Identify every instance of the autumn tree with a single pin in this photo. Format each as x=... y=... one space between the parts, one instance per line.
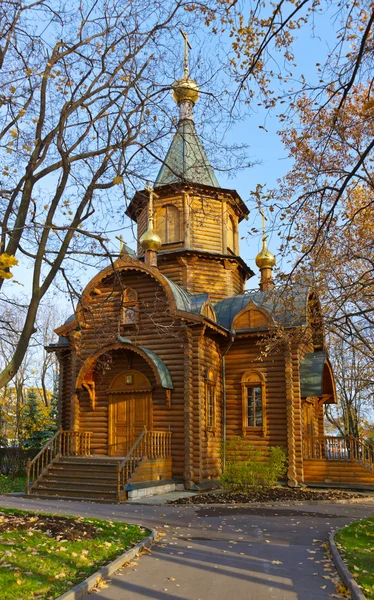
x=80 y=90
x=355 y=387
x=323 y=208
x=38 y=371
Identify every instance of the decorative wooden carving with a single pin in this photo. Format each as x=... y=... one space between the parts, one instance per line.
x=168 y=398
x=90 y=387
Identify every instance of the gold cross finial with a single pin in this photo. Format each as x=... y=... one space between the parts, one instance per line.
x=152 y=195
x=120 y=238
x=264 y=236
x=186 y=46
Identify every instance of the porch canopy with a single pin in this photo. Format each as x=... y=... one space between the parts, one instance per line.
x=316 y=377
x=162 y=370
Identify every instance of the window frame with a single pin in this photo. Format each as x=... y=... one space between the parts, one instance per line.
x=231 y=226
x=252 y=380
x=166 y=208
x=132 y=304
x=210 y=395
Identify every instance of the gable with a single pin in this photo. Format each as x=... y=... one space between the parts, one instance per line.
x=251 y=319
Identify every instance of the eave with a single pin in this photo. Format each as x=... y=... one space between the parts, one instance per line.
x=213 y=255
x=141 y=197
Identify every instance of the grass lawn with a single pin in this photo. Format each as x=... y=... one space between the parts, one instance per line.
x=8 y=484
x=356 y=544
x=42 y=556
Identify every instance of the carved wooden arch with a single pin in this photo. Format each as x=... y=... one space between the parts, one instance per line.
x=252 y=317
x=253 y=376
x=131 y=380
x=329 y=395
x=132 y=265
x=90 y=362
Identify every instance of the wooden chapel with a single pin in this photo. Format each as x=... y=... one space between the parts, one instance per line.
x=161 y=362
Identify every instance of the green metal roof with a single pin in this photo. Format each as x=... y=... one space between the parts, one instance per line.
x=311 y=374
x=163 y=371
x=186 y=159
x=285 y=305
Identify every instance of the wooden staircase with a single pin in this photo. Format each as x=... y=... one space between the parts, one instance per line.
x=65 y=469
x=78 y=478
x=344 y=460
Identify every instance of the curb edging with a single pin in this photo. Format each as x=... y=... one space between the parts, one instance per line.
x=85 y=586
x=345 y=575
x=270 y=503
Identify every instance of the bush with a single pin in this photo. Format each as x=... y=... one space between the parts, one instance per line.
x=249 y=468
x=13 y=460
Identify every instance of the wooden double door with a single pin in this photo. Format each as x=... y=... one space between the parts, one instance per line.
x=130 y=414
x=130 y=410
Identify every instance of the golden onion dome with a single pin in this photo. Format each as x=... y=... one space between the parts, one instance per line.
x=185 y=89
x=150 y=240
x=265 y=259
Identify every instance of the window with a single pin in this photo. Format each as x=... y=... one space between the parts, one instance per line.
x=210 y=395
x=168 y=224
x=129 y=309
x=231 y=234
x=253 y=397
x=254 y=406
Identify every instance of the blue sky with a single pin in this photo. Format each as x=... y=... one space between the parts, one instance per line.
x=264 y=149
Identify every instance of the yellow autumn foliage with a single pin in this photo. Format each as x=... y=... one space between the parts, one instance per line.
x=6 y=262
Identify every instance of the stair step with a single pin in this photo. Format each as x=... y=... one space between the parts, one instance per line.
x=70 y=474
x=73 y=498
x=50 y=483
x=45 y=491
x=88 y=465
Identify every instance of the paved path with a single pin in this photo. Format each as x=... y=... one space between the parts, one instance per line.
x=251 y=553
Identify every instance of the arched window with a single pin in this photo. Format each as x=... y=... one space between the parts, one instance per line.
x=129 y=308
x=253 y=402
x=231 y=233
x=210 y=400
x=168 y=224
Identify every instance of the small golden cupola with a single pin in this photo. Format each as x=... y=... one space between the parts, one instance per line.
x=265 y=261
x=150 y=241
x=186 y=91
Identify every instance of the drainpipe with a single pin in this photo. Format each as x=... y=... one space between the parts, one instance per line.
x=224 y=393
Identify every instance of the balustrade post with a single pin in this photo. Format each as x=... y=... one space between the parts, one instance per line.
x=28 y=475
x=118 y=482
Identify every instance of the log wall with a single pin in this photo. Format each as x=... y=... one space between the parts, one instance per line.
x=219 y=277
x=242 y=357
x=157 y=330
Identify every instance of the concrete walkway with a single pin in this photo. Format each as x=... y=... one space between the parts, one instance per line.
x=251 y=553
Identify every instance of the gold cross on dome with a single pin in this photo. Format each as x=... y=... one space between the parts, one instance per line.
x=264 y=236
x=120 y=238
x=152 y=195
x=186 y=46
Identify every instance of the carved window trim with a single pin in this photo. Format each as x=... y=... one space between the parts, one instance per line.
x=129 y=307
x=210 y=401
x=252 y=381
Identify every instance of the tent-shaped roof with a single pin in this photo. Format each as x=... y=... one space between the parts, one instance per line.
x=186 y=159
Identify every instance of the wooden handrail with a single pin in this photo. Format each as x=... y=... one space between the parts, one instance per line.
x=150 y=444
x=339 y=448
x=63 y=443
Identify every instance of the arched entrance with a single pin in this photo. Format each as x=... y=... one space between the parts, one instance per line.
x=130 y=410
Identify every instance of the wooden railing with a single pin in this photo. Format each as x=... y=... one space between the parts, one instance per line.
x=63 y=443
x=339 y=448
x=150 y=444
